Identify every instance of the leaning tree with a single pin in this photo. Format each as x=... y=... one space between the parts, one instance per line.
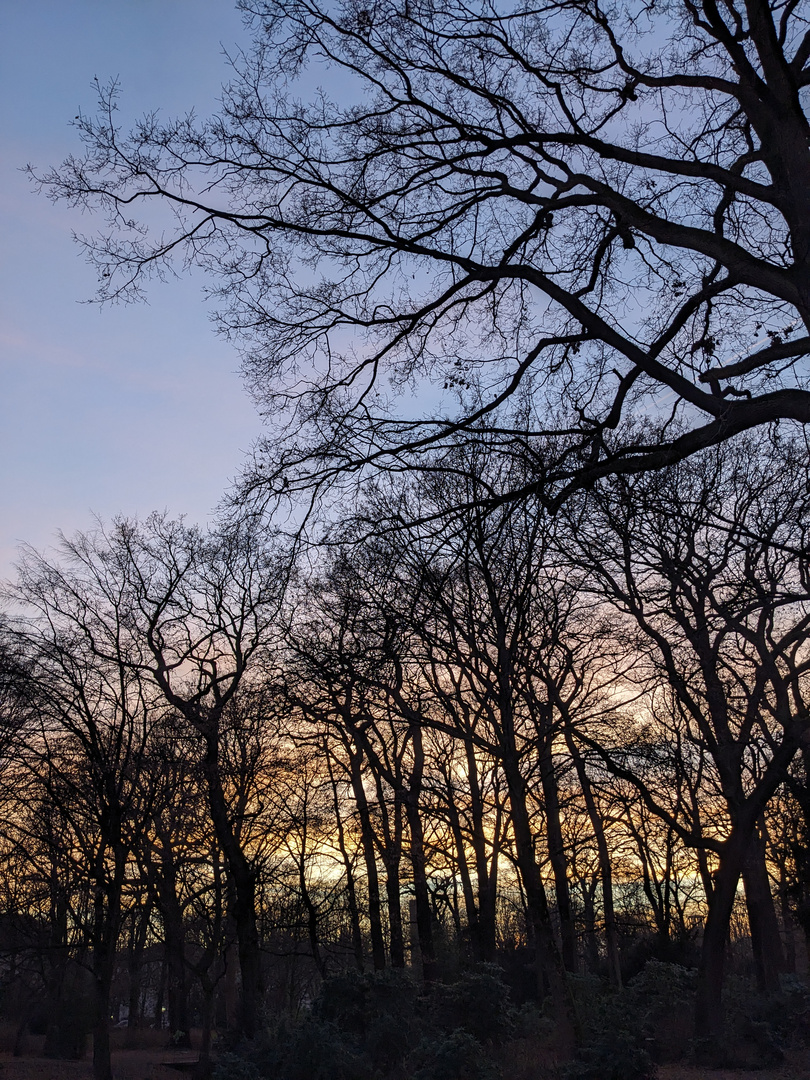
x=552 y=218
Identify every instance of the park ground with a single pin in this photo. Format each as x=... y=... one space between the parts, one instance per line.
x=150 y=1059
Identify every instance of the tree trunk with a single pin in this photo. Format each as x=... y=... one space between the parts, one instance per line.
x=424 y=917
x=486 y=875
x=104 y=932
x=157 y=1016
x=391 y=852
x=175 y=958
x=106 y=928
x=556 y=854
x=766 y=940
x=588 y=891
x=57 y=961
x=231 y=979
x=243 y=878
x=470 y=908
x=370 y=858
x=395 y=931
x=102 y=1062
x=709 y=995
x=312 y=915
x=605 y=868
x=202 y=1070
x=351 y=891
x=550 y=966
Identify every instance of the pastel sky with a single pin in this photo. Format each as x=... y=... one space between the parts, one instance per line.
x=126 y=409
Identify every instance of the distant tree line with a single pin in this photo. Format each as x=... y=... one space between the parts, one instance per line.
x=566 y=744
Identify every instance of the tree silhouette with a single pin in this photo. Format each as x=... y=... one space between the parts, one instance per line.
x=92 y=716
x=710 y=561
x=557 y=219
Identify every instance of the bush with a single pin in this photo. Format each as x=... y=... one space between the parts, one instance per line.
x=660 y=1007
x=529 y=1023
x=367 y=1027
x=758 y=1029
x=625 y=1032
x=355 y=1002
x=234 y=1067
x=319 y=1050
x=312 y=1049
x=614 y=1057
x=788 y=1012
x=456 y=1056
x=478 y=1003
x=388 y=1040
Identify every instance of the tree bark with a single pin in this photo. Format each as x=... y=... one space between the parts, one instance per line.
x=766 y=939
x=556 y=854
x=550 y=966
x=57 y=958
x=424 y=917
x=394 y=901
x=486 y=874
x=174 y=950
x=391 y=853
x=106 y=918
x=370 y=859
x=709 y=994
x=351 y=891
x=470 y=908
x=243 y=878
x=605 y=868
x=137 y=942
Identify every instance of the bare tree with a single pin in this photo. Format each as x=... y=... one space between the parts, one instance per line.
x=94 y=714
x=205 y=607
x=710 y=562
x=169 y=611
x=565 y=216
x=479 y=637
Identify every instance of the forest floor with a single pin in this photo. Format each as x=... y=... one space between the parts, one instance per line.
x=127 y=1065
x=797 y=1069
x=147 y=1064
x=524 y=1061
x=685 y=1072
x=151 y=1061
x=148 y=1060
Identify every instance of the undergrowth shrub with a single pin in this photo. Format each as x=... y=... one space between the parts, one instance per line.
x=477 y=1003
x=652 y=1020
x=319 y=1050
x=613 y=1056
x=659 y=1007
x=355 y=1002
x=453 y=1056
x=232 y=1066
x=758 y=1029
x=379 y=1025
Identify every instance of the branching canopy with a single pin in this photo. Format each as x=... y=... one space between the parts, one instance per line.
x=548 y=222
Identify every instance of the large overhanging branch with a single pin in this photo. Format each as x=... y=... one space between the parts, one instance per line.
x=624 y=220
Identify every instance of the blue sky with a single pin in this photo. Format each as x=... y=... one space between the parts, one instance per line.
x=126 y=409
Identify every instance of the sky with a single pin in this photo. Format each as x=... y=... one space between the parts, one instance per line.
x=120 y=410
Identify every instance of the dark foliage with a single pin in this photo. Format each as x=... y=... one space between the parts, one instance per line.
x=380 y=1025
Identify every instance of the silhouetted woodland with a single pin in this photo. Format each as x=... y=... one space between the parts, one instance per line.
x=517 y=756
x=479 y=722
